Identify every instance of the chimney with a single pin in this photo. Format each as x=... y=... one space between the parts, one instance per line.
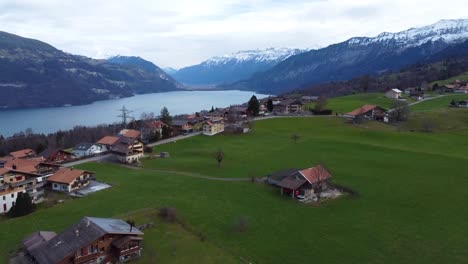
x=77 y=233
x=88 y=223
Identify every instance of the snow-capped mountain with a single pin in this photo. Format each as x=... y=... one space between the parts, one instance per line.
x=258 y=55
x=359 y=56
x=448 y=31
x=233 y=67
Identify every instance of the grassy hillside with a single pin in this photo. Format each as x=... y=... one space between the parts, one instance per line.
x=411 y=194
x=344 y=104
x=463 y=76
x=438 y=103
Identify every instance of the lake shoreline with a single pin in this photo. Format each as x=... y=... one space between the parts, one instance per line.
x=52 y=119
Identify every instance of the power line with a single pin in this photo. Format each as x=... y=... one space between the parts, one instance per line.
x=125 y=114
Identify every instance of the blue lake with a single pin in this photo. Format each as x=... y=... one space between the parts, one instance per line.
x=47 y=120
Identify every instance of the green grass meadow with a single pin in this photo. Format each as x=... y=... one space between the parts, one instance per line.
x=410 y=208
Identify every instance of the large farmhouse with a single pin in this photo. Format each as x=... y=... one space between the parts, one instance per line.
x=91 y=240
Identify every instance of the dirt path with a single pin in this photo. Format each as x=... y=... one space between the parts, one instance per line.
x=188 y=174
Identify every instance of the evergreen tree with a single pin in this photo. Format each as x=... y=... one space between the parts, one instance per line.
x=254 y=106
x=166 y=132
x=270 y=105
x=22 y=206
x=166 y=116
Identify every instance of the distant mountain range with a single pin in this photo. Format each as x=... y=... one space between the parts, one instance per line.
x=35 y=74
x=234 y=67
x=358 y=56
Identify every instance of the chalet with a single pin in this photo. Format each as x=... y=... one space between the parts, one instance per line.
x=128 y=150
x=461 y=89
x=238 y=110
x=107 y=142
x=236 y=128
x=87 y=149
x=393 y=93
x=303 y=182
x=449 y=88
x=13 y=182
x=211 y=128
x=288 y=106
x=91 y=240
x=417 y=95
x=70 y=180
x=57 y=156
x=182 y=125
x=34 y=165
x=23 y=154
x=156 y=126
x=130 y=133
x=368 y=112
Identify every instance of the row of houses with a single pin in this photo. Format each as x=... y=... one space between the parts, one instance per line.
x=24 y=171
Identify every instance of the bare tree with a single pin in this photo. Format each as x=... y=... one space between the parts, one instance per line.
x=295 y=138
x=219 y=156
x=322 y=177
x=321 y=104
x=145 y=116
x=400 y=111
x=427 y=125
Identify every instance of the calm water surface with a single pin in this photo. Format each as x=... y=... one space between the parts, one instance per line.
x=47 y=120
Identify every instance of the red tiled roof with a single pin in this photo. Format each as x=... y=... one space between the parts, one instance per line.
x=108 y=140
x=26 y=165
x=315 y=174
x=131 y=133
x=66 y=175
x=362 y=110
x=157 y=124
x=23 y=153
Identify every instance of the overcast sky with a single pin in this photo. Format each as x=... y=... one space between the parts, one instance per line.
x=178 y=33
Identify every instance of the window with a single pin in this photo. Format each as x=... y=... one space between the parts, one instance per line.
x=12 y=195
x=4 y=198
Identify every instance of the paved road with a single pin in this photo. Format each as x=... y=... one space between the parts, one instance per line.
x=417 y=102
x=109 y=156
x=97 y=158
x=172 y=139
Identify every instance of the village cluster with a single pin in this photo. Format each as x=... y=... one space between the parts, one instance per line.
x=102 y=240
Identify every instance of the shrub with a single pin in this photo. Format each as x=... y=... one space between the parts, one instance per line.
x=241 y=225
x=169 y=214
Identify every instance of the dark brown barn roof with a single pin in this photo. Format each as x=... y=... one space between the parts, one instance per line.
x=77 y=236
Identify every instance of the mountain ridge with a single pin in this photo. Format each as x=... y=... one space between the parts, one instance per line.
x=31 y=71
x=233 y=67
x=357 y=56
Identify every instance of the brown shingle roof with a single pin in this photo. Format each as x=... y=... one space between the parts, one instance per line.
x=108 y=140
x=66 y=175
x=292 y=182
x=362 y=110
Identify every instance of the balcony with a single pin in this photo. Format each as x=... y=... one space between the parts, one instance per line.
x=85 y=258
x=130 y=251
